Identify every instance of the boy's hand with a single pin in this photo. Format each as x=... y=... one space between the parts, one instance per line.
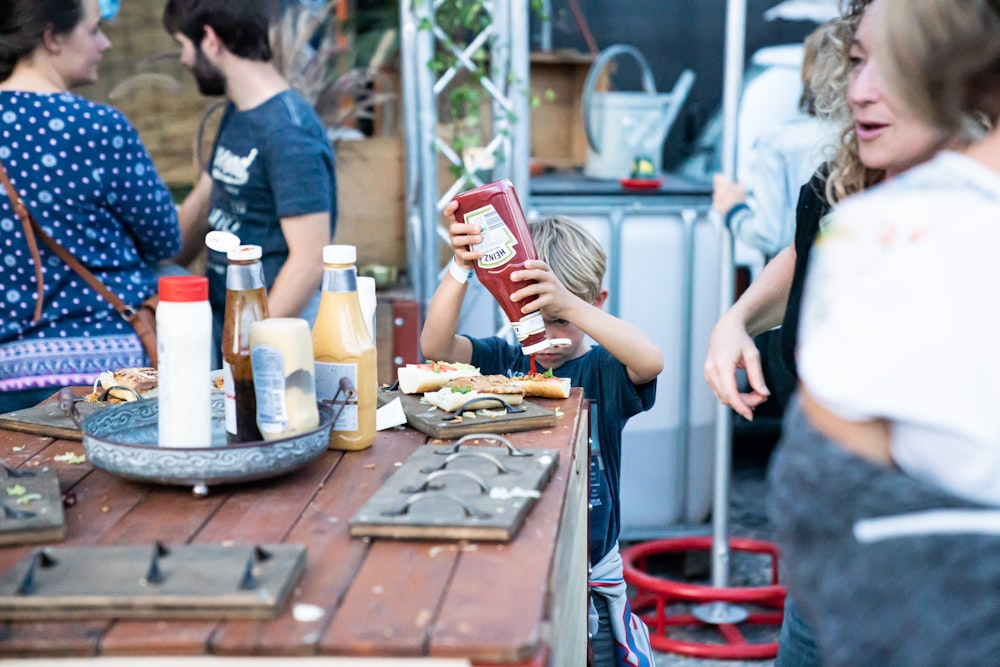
x=553 y=297
x=462 y=236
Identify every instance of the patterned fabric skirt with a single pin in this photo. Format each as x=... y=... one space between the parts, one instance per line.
x=58 y=362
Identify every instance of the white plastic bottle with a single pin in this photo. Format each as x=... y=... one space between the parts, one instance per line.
x=184 y=346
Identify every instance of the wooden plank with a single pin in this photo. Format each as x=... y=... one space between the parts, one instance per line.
x=333 y=557
x=396 y=591
x=189 y=582
x=440 y=424
x=101 y=501
x=255 y=512
x=491 y=611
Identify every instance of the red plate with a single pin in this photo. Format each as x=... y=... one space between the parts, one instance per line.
x=641 y=183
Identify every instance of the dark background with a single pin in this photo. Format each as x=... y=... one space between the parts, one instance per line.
x=673 y=35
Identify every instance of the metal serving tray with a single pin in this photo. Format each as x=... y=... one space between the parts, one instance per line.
x=122 y=440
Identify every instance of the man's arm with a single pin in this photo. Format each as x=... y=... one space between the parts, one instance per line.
x=302 y=272
x=193 y=217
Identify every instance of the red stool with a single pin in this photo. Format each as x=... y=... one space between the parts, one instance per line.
x=654 y=595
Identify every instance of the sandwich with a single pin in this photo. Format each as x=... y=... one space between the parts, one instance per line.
x=124 y=384
x=460 y=391
x=544 y=385
x=421 y=378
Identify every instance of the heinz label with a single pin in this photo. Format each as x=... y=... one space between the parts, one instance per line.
x=498 y=241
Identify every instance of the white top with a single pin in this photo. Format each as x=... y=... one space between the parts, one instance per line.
x=901 y=320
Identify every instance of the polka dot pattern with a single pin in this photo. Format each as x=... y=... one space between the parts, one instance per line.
x=83 y=172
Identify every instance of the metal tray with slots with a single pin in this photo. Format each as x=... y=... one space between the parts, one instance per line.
x=468 y=490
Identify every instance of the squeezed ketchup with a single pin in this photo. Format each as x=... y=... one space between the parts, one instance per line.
x=506 y=246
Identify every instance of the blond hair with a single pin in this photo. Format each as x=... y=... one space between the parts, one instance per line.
x=943 y=59
x=847 y=174
x=572 y=253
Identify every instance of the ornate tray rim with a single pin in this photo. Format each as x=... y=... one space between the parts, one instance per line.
x=198 y=466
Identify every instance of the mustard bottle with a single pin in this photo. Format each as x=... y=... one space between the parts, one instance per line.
x=346 y=361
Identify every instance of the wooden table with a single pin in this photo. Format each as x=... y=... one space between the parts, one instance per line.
x=520 y=603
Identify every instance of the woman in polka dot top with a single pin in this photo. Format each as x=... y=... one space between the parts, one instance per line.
x=85 y=175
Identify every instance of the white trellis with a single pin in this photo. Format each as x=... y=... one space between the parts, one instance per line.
x=506 y=37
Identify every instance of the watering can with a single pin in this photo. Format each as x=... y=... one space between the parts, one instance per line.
x=623 y=126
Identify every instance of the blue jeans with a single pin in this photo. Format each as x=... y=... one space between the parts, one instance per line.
x=796 y=645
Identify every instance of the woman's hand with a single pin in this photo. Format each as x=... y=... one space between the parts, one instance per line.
x=726 y=194
x=730 y=347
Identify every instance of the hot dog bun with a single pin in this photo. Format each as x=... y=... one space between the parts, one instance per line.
x=420 y=378
x=544 y=386
x=461 y=390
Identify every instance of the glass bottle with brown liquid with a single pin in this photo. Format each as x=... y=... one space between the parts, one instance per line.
x=346 y=362
x=246 y=303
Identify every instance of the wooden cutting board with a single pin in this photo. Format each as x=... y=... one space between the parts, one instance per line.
x=476 y=492
x=32 y=509
x=440 y=424
x=49 y=418
x=209 y=581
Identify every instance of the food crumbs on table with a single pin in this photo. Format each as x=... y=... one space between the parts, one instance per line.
x=546 y=432
x=16 y=490
x=31 y=497
x=70 y=457
x=105 y=509
x=423 y=618
x=18 y=449
x=377 y=590
x=559 y=413
x=370 y=466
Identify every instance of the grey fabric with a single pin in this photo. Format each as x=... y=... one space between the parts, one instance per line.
x=913 y=601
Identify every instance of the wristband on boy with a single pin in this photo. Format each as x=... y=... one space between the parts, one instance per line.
x=458 y=273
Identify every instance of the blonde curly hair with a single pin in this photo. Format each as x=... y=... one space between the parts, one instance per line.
x=847 y=174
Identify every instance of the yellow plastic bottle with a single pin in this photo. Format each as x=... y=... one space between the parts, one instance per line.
x=346 y=362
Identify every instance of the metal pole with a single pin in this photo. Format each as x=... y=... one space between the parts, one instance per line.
x=720 y=612
x=519 y=93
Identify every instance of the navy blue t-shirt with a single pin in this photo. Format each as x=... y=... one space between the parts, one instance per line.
x=269 y=162
x=605 y=381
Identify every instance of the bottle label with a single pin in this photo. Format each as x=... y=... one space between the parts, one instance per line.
x=328 y=384
x=229 y=393
x=269 y=385
x=530 y=324
x=498 y=241
x=340 y=280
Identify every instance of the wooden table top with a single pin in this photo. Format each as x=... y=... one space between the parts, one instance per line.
x=484 y=602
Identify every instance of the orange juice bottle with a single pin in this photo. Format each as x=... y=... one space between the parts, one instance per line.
x=346 y=362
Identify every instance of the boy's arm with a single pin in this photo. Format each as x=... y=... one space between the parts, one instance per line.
x=627 y=343
x=439 y=339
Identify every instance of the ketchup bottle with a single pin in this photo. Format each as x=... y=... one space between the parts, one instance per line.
x=506 y=246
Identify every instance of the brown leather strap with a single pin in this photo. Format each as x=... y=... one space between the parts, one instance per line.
x=31 y=227
x=22 y=212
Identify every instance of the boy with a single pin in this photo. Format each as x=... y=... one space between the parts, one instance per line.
x=619 y=374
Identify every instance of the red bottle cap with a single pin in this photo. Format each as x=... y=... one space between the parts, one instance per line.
x=183 y=288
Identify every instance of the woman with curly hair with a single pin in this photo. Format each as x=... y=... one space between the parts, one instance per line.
x=886 y=488
x=879 y=139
